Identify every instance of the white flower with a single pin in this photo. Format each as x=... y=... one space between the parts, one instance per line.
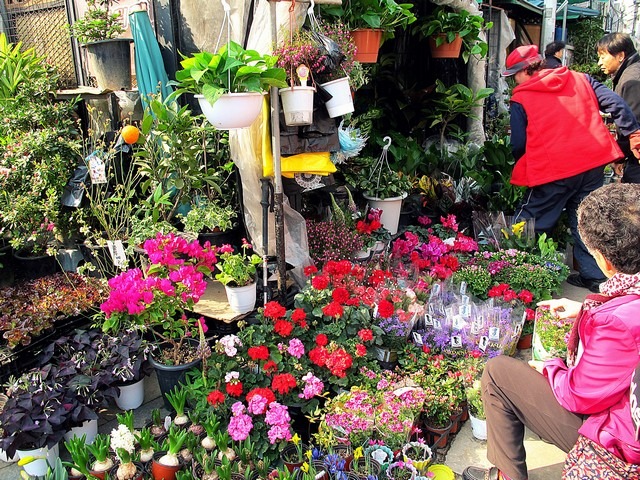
x=122 y=437
x=229 y=342
x=231 y=376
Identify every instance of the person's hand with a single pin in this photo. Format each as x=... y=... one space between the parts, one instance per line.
x=562 y=307
x=537 y=365
x=618 y=169
x=634 y=143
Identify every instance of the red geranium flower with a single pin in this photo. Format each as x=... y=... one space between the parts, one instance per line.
x=318 y=356
x=310 y=270
x=283 y=328
x=274 y=310
x=270 y=367
x=321 y=340
x=509 y=295
x=340 y=295
x=258 y=353
x=385 y=309
x=339 y=362
x=283 y=383
x=234 y=389
x=299 y=316
x=365 y=335
x=263 y=392
x=320 y=282
x=361 y=350
x=333 y=309
x=526 y=296
x=215 y=397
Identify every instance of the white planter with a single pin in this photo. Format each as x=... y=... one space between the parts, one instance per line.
x=38 y=468
x=341 y=102
x=241 y=299
x=232 y=110
x=131 y=395
x=297 y=105
x=478 y=427
x=391 y=208
x=88 y=428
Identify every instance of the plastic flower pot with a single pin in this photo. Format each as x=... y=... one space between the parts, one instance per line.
x=163 y=472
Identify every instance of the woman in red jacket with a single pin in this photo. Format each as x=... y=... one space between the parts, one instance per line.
x=581 y=406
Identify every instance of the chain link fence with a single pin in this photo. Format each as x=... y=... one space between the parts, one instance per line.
x=43 y=26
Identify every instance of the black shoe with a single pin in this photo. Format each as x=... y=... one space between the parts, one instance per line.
x=477 y=473
x=577 y=280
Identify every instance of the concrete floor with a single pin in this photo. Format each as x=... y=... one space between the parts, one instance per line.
x=545 y=461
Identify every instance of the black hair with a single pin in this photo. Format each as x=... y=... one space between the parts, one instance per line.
x=553 y=48
x=614 y=43
x=609 y=222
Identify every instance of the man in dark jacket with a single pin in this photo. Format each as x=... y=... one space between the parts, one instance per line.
x=561 y=145
x=617 y=56
x=553 y=55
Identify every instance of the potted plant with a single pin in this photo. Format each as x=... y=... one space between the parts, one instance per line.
x=77 y=448
x=108 y=56
x=449 y=31
x=178 y=400
x=158 y=299
x=123 y=443
x=100 y=449
x=233 y=74
x=476 y=411
x=147 y=444
x=372 y=22
x=237 y=273
x=211 y=221
x=166 y=464
x=33 y=418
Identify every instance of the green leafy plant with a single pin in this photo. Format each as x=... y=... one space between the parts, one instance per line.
x=98 y=23
x=100 y=451
x=178 y=400
x=383 y=14
x=377 y=179
x=232 y=70
x=238 y=269
x=147 y=444
x=206 y=215
x=451 y=24
x=175 y=439
x=474 y=399
x=77 y=448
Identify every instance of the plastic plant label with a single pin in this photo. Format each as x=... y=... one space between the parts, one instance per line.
x=494 y=334
x=483 y=343
x=458 y=322
x=417 y=339
x=437 y=325
x=116 y=249
x=456 y=341
x=97 y=170
x=463 y=288
x=428 y=319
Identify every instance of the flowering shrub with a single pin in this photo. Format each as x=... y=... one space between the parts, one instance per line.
x=158 y=297
x=371 y=228
x=552 y=332
x=332 y=240
x=237 y=269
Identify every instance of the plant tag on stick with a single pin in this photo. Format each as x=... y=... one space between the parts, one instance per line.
x=97 y=170
x=116 y=249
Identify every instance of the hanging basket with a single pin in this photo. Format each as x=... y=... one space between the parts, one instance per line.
x=367 y=42
x=297 y=104
x=232 y=110
x=445 y=50
x=341 y=101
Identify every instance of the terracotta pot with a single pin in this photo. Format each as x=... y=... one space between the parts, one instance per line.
x=525 y=341
x=445 y=50
x=163 y=472
x=290 y=451
x=456 y=421
x=437 y=437
x=367 y=42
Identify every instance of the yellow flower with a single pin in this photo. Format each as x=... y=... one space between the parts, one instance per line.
x=305 y=467
x=296 y=439
x=518 y=228
x=357 y=453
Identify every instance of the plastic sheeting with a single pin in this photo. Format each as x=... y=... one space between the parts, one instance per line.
x=247 y=153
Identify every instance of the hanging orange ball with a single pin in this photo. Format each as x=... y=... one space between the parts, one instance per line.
x=130 y=134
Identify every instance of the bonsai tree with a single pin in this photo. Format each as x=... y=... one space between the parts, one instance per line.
x=386 y=15
x=98 y=23
x=231 y=70
x=451 y=24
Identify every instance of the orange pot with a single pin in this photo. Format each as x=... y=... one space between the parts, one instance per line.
x=445 y=50
x=367 y=42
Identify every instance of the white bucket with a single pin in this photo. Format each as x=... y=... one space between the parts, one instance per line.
x=478 y=428
x=241 y=299
x=88 y=428
x=341 y=102
x=232 y=110
x=391 y=207
x=131 y=395
x=45 y=457
x=297 y=104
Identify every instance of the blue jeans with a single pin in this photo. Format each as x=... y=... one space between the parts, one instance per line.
x=546 y=202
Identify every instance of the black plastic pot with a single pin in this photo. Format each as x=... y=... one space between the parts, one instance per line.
x=169 y=376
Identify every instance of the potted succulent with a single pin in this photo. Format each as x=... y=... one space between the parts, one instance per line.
x=449 y=31
x=108 y=56
x=223 y=79
x=237 y=274
x=372 y=22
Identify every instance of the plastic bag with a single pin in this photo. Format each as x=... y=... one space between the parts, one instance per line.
x=334 y=56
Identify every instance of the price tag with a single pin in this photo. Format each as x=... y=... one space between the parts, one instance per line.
x=464 y=310
x=480 y=320
x=428 y=320
x=437 y=325
x=463 y=288
x=417 y=339
x=483 y=343
x=458 y=323
x=116 y=249
x=456 y=341
x=464 y=299
x=475 y=328
x=435 y=290
x=449 y=312
x=494 y=334
x=97 y=169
